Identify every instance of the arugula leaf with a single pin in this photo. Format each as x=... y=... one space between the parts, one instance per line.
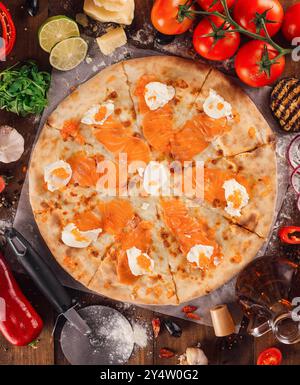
x=23 y=89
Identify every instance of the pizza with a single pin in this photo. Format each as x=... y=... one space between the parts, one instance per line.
x=155 y=181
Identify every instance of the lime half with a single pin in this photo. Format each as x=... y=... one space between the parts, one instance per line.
x=68 y=53
x=56 y=29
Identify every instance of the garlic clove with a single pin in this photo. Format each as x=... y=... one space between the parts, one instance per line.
x=193 y=356
x=11 y=144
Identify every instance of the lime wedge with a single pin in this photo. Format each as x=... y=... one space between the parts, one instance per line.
x=56 y=29
x=68 y=53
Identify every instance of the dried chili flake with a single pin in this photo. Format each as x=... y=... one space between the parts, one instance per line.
x=166 y=353
x=156 y=327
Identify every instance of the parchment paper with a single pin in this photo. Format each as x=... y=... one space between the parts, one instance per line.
x=61 y=85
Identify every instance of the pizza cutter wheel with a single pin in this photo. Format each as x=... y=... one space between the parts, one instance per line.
x=94 y=335
x=109 y=343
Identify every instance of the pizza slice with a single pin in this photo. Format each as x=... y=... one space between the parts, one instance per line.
x=74 y=236
x=163 y=90
x=224 y=122
x=243 y=188
x=135 y=268
x=204 y=249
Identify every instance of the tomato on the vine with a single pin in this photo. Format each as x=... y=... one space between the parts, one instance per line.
x=291 y=22
x=255 y=65
x=220 y=44
x=2 y=184
x=250 y=14
x=164 y=17
x=214 y=5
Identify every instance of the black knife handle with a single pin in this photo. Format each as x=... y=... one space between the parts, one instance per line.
x=39 y=271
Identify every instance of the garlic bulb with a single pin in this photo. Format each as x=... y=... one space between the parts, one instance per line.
x=11 y=144
x=193 y=356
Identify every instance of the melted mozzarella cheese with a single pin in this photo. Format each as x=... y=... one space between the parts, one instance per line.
x=197 y=251
x=73 y=237
x=57 y=175
x=236 y=197
x=98 y=114
x=139 y=263
x=158 y=95
x=216 y=107
x=156 y=178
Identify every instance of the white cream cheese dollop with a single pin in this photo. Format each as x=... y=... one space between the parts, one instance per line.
x=158 y=95
x=193 y=256
x=236 y=197
x=216 y=107
x=73 y=237
x=57 y=175
x=139 y=263
x=90 y=116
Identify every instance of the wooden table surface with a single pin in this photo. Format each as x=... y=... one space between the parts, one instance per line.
x=48 y=349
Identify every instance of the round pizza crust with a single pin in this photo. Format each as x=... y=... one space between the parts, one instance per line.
x=251 y=155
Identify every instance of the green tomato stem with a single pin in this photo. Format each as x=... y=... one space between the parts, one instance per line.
x=185 y=10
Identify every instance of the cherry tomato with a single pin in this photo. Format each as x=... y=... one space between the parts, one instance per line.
x=221 y=46
x=271 y=356
x=2 y=184
x=248 y=68
x=291 y=22
x=213 y=5
x=164 y=17
x=249 y=14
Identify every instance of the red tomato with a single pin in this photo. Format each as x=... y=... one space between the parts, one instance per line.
x=2 y=184
x=246 y=12
x=213 y=5
x=247 y=64
x=271 y=356
x=164 y=17
x=291 y=22
x=222 y=46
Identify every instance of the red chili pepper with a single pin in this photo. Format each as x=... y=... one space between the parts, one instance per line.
x=8 y=31
x=193 y=316
x=189 y=309
x=156 y=327
x=2 y=184
x=290 y=235
x=19 y=322
x=166 y=353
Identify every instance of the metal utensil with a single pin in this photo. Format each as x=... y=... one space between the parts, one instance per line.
x=110 y=343
x=95 y=335
x=32 y=7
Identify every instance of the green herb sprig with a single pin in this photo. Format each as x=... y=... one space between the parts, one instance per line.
x=23 y=89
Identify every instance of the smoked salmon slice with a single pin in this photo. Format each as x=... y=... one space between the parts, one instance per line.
x=158 y=128
x=139 y=236
x=187 y=142
x=195 y=136
x=87 y=221
x=116 y=215
x=115 y=139
x=188 y=230
x=214 y=180
x=71 y=130
x=84 y=170
x=140 y=92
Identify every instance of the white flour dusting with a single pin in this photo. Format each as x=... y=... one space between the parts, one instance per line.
x=140 y=335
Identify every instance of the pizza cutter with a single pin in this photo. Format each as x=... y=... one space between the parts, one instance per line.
x=94 y=335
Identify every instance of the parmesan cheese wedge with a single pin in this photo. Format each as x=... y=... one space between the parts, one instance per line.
x=124 y=15
x=112 y=40
x=111 y=5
